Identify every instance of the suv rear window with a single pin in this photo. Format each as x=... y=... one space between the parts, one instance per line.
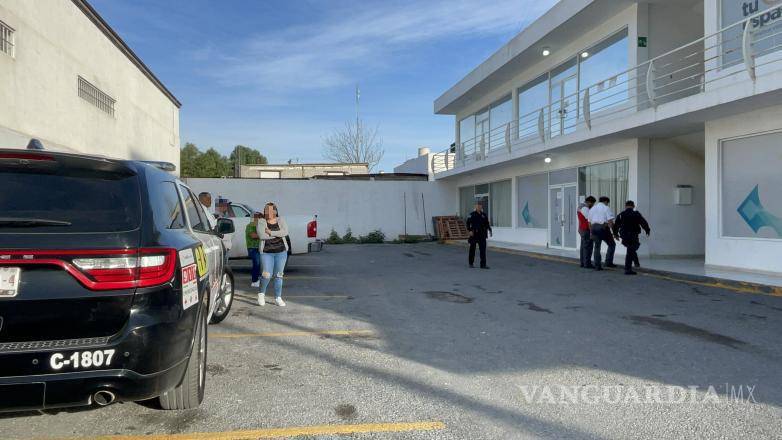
x=67 y=202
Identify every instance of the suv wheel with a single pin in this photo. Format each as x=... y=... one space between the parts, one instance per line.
x=190 y=392
x=225 y=297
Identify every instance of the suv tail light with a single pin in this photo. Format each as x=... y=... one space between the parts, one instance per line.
x=312 y=229
x=105 y=269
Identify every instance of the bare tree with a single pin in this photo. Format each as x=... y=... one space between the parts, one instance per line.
x=355 y=143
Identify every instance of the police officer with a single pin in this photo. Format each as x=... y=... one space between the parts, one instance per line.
x=628 y=225
x=478 y=225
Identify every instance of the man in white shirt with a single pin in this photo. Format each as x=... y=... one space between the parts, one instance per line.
x=601 y=220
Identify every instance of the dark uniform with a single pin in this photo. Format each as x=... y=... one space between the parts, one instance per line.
x=628 y=225
x=478 y=224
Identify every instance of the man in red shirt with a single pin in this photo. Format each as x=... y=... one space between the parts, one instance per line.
x=583 y=231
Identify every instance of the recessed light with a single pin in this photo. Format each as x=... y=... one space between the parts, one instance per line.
x=584 y=54
x=547 y=159
x=546 y=51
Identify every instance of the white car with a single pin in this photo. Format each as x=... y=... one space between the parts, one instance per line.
x=302 y=231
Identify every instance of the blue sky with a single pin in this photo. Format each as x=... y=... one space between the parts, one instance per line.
x=281 y=75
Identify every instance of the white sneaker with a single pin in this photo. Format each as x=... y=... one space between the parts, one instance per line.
x=256 y=284
x=279 y=302
x=261 y=299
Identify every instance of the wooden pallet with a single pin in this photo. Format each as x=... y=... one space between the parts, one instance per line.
x=451 y=228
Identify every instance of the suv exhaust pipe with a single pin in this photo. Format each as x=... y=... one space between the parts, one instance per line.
x=104 y=397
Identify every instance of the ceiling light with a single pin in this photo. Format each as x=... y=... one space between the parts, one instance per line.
x=584 y=54
x=547 y=159
x=546 y=51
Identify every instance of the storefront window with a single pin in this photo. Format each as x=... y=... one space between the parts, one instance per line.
x=605 y=179
x=532 y=201
x=466 y=200
x=500 y=203
x=750 y=181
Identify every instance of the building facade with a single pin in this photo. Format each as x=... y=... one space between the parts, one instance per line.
x=68 y=79
x=302 y=170
x=675 y=104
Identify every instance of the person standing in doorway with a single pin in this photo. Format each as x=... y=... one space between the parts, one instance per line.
x=480 y=228
x=628 y=226
x=273 y=247
x=601 y=219
x=583 y=231
x=253 y=251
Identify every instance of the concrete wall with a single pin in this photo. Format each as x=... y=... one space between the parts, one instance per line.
x=55 y=43
x=361 y=205
x=678 y=229
x=744 y=253
x=303 y=170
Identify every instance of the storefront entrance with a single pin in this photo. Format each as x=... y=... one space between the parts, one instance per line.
x=563 y=226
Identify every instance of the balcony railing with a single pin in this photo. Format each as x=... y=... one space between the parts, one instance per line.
x=739 y=51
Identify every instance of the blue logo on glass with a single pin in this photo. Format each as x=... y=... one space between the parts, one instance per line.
x=525 y=213
x=756 y=216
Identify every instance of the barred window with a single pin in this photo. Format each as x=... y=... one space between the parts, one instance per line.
x=96 y=97
x=6 y=39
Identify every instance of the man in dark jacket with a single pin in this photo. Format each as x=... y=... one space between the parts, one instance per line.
x=628 y=225
x=479 y=226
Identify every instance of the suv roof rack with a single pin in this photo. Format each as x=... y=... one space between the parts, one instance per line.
x=165 y=166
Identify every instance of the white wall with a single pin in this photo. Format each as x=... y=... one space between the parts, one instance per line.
x=417 y=165
x=678 y=229
x=362 y=205
x=55 y=43
x=743 y=253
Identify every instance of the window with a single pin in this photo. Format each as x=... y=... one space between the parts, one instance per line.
x=532 y=202
x=166 y=208
x=607 y=58
x=269 y=175
x=335 y=173
x=532 y=97
x=767 y=28
x=495 y=198
x=500 y=115
x=239 y=211
x=96 y=97
x=500 y=203
x=194 y=212
x=6 y=39
x=605 y=179
x=467 y=130
x=751 y=206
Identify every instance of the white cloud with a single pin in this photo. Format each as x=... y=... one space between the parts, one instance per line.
x=326 y=53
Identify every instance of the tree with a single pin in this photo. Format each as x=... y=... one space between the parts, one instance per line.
x=247 y=156
x=187 y=160
x=355 y=143
x=212 y=164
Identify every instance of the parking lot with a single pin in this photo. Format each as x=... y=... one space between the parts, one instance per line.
x=404 y=341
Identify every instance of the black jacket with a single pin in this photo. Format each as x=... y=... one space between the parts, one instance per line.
x=629 y=222
x=478 y=224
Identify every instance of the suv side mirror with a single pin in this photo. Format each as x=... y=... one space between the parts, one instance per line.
x=224 y=226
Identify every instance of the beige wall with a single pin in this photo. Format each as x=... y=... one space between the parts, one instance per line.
x=303 y=171
x=55 y=43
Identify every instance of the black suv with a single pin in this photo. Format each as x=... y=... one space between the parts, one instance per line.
x=109 y=273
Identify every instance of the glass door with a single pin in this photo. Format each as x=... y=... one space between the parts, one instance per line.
x=564 y=106
x=563 y=223
x=555 y=216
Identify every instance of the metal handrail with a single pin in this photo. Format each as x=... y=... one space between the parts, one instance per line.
x=677 y=73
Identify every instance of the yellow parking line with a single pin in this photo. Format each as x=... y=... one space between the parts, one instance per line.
x=285 y=334
x=365 y=428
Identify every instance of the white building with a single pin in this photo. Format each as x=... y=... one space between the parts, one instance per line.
x=675 y=104
x=69 y=80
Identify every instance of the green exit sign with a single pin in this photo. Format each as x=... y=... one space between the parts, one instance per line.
x=641 y=41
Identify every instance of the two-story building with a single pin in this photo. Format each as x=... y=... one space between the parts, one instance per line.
x=69 y=80
x=675 y=104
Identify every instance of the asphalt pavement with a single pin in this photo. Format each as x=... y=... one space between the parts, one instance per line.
x=406 y=342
